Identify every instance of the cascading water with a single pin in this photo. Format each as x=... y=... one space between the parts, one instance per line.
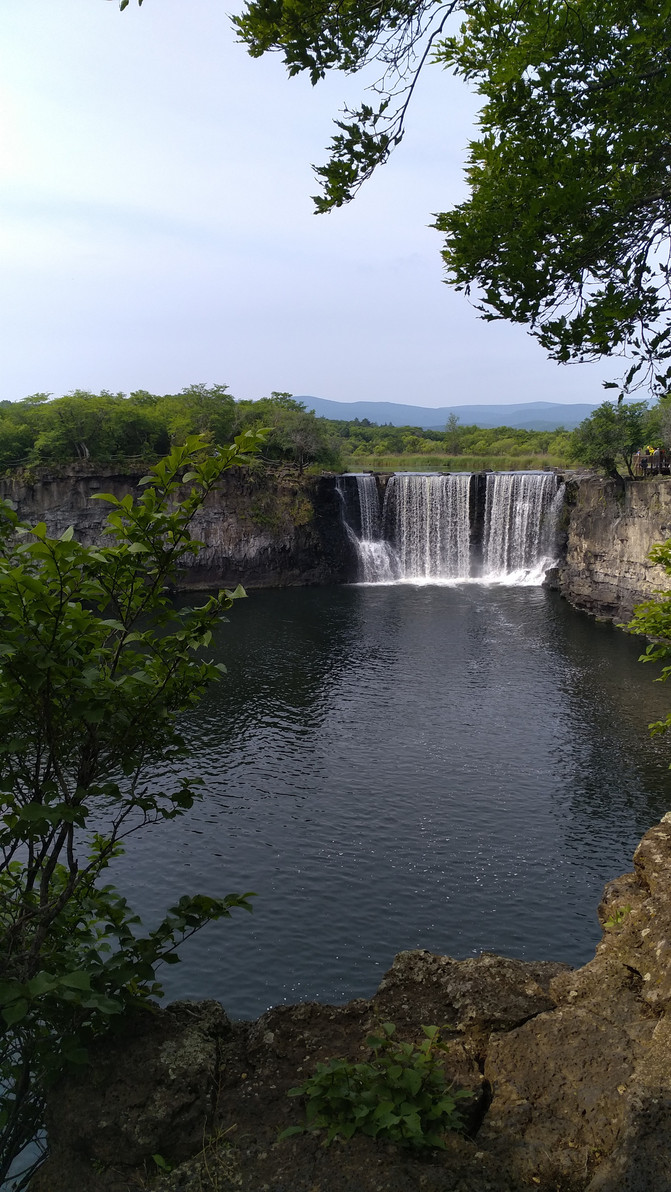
x=424 y=531
x=377 y=563
x=520 y=521
x=427 y=520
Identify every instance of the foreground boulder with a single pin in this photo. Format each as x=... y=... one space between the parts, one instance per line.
x=570 y=1073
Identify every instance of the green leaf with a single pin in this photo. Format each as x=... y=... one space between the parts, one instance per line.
x=76 y=980
x=42 y=983
x=15 y=1011
x=290 y=1132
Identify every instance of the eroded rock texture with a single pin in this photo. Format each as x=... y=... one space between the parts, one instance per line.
x=609 y=530
x=260 y=528
x=569 y=1070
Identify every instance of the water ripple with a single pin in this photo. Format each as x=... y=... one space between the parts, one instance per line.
x=457 y=768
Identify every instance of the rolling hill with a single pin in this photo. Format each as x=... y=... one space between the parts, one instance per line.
x=533 y=415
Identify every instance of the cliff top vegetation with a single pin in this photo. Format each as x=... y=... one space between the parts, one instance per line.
x=112 y=427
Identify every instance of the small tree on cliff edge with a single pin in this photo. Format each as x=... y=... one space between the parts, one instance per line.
x=611 y=435
x=95 y=664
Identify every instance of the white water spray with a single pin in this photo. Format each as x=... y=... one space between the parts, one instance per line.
x=427 y=519
x=377 y=562
x=519 y=526
x=423 y=532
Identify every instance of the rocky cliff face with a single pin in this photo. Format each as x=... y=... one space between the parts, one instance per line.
x=609 y=529
x=276 y=529
x=568 y=1070
x=261 y=529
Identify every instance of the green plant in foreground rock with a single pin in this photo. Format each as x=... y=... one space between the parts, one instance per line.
x=96 y=661
x=617 y=918
x=401 y=1095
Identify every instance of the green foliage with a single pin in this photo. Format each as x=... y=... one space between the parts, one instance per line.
x=653 y=620
x=295 y=434
x=452 y=437
x=568 y=212
x=95 y=665
x=610 y=435
x=566 y=229
x=318 y=37
x=400 y=1095
x=103 y=428
x=452 y=463
x=468 y=448
x=617 y=918
x=281 y=510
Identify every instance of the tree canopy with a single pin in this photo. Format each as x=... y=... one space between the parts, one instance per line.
x=567 y=224
x=566 y=229
x=611 y=435
x=315 y=38
x=110 y=427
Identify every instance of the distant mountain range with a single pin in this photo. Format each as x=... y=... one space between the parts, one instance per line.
x=530 y=415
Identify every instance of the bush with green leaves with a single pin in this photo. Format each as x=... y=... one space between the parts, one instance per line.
x=96 y=663
x=400 y=1095
x=652 y=619
x=611 y=435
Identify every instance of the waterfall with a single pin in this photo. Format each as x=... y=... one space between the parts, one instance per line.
x=427 y=520
x=521 y=510
x=428 y=524
x=363 y=522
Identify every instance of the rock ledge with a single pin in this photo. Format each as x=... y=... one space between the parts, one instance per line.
x=569 y=1070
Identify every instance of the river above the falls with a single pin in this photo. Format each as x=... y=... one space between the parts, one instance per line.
x=452 y=768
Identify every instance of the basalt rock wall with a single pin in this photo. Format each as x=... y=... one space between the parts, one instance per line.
x=608 y=530
x=275 y=529
x=260 y=528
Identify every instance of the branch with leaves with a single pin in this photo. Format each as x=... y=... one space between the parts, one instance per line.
x=96 y=663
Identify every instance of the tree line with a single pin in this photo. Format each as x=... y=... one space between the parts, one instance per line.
x=362 y=438
x=111 y=428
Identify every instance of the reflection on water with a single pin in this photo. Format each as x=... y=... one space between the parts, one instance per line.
x=453 y=768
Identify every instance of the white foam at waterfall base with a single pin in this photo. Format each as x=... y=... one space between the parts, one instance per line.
x=427 y=519
x=422 y=534
x=377 y=561
x=520 y=525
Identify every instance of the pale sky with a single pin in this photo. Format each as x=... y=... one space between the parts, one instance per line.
x=156 y=226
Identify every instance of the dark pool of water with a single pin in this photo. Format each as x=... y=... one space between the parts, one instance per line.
x=456 y=769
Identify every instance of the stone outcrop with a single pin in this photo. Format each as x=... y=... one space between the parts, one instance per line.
x=570 y=1075
x=609 y=529
x=261 y=528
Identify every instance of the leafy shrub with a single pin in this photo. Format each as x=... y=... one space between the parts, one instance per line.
x=401 y=1095
x=96 y=664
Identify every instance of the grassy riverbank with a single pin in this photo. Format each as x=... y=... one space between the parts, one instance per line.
x=435 y=462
